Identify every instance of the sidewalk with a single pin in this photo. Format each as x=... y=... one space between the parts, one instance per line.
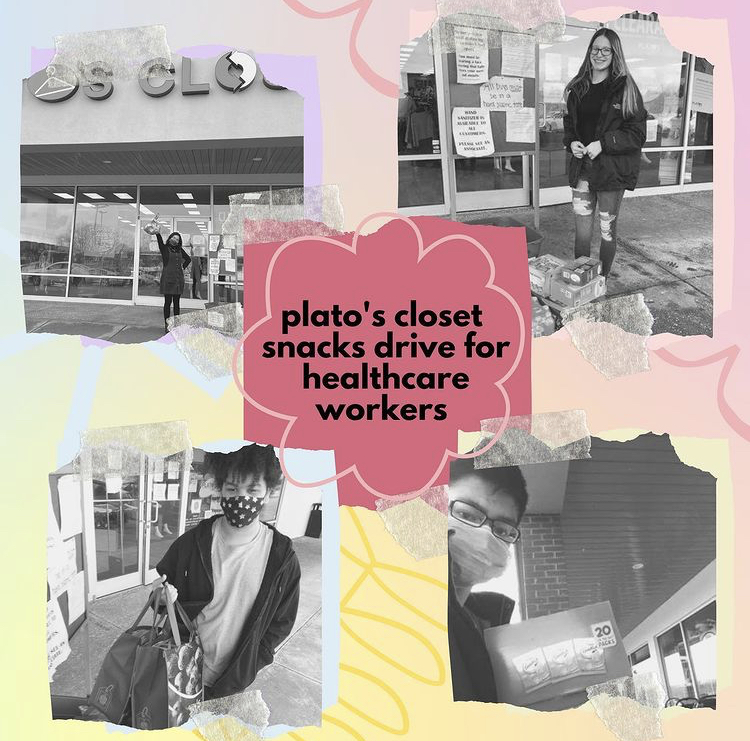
x=291 y=686
x=664 y=251
x=119 y=323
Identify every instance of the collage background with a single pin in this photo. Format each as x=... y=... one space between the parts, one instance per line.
x=56 y=386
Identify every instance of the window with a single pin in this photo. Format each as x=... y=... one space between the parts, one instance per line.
x=688 y=653
x=700 y=632
x=420 y=173
x=417 y=104
x=46 y=223
x=702 y=105
x=103 y=243
x=641 y=661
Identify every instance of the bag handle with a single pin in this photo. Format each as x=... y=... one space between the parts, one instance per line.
x=172 y=618
x=149 y=603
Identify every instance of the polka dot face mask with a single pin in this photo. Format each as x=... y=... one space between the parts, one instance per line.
x=241 y=511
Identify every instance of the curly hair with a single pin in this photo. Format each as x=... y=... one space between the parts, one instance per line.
x=251 y=459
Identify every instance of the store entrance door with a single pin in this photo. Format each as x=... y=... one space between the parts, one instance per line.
x=149 y=263
x=131 y=520
x=499 y=181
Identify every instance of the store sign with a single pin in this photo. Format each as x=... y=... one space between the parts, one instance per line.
x=234 y=71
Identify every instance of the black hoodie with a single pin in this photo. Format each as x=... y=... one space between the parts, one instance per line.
x=187 y=566
x=618 y=165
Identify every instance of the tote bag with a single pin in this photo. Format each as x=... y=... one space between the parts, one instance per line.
x=110 y=696
x=167 y=675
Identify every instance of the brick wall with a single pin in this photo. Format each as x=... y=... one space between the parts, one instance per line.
x=544 y=570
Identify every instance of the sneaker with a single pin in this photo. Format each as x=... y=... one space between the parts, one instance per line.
x=155 y=533
x=165 y=529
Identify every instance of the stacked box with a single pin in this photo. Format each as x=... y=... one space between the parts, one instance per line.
x=570 y=295
x=581 y=271
x=542 y=321
x=541 y=270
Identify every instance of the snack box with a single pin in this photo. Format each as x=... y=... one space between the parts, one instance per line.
x=570 y=296
x=541 y=270
x=546 y=663
x=581 y=271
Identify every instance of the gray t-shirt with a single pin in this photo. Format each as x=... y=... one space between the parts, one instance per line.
x=238 y=560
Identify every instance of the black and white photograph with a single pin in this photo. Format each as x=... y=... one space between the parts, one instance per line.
x=128 y=175
x=597 y=140
x=570 y=574
x=180 y=579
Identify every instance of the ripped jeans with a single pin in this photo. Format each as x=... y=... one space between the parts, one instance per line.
x=584 y=207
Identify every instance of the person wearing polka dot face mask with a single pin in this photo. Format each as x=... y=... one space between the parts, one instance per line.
x=236 y=576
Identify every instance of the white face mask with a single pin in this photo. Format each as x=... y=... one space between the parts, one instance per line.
x=476 y=554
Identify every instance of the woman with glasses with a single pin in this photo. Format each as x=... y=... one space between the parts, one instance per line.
x=605 y=128
x=486 y=506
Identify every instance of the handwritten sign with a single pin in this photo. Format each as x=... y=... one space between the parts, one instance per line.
x=519 y=57
x=58 y=648
x=213 y=265
x=502 y=93
x=472 y=132
x=472 y=55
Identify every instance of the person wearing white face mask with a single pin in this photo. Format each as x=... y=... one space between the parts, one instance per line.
x=486 y=506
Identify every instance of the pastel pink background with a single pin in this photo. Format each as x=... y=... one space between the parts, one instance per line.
x=393 y=457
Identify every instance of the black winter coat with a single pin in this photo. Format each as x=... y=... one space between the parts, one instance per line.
x=471 y=669
x=619 y=163
x=187 y=566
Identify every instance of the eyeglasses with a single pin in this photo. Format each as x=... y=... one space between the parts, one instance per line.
x=470 y=515
x=604 y=51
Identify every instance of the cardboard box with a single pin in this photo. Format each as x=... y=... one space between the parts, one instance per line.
x=541 y=270
x=569 y=295
x=546 y=663
x=581 y=271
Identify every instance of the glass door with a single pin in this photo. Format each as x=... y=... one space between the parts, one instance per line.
x=165 y=509
x=114 y=527
x=193 y=231
x=493 y=115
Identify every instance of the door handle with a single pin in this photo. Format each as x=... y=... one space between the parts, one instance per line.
x=155 y=520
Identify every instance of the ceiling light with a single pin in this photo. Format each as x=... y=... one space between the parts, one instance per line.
x=189 y=205
x=194 y=213
x=124 y=196
x=253 y=196
x=146 y=210
x=637 y=566
x=94 y=196
x=257 y=159
x=185 y=196
x=107 y=162
x=86 y=205
x=63 y=195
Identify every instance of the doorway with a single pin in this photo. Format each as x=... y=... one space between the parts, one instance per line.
x=133 y=511
x=149 y=263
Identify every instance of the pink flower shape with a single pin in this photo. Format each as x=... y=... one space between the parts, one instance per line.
x=387 y=270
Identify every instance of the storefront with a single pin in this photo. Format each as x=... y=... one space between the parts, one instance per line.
x=178 y=145
x=480 y=115
x=119 y=510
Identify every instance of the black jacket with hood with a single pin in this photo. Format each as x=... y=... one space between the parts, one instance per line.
x=187 y=566
x=618 y=165
x=471 y=668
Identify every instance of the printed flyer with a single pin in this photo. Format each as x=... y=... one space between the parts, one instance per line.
x=375 y=369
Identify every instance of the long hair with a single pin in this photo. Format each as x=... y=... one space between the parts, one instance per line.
x=580 y=84
x=177 y=247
